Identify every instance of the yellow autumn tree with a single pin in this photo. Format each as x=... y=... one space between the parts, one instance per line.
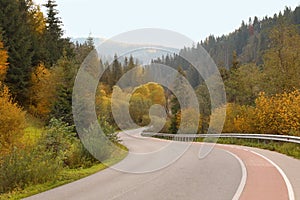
x=103 y=102
x=38 y=19
x=279 y=114
x=240 y=119
x=245 y=120
x=42 y=92
x=187 y=120
x=142 y=99
x=12 y=121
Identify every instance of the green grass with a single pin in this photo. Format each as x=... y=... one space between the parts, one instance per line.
x=290 y=149
x=31 y=135
x=66 y=176
x=32 y=132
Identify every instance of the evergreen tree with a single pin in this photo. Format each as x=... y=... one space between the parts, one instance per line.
x=65 y=72
x=54 y=42
x=131 y=64
x=18 y=39
x=175 y=106
x=90 y=42
x=117 y=71
x=81 y=51
x=53 y=22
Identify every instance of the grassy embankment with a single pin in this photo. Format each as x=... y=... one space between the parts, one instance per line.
x=289 y=149
x=66 y=175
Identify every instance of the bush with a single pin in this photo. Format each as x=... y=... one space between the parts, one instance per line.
x=109 y=130
x=279 y=114
x=97 y=142
x=12 y=121
x=27 y=166
x=60 y=139
x=238 y=118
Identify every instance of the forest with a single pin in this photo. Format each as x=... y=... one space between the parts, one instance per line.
x=259 y=64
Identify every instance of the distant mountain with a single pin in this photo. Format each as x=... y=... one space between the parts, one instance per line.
x=142 y=53
x=81 y=40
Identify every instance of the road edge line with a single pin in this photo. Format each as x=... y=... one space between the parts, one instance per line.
x=285 y=178
x=242 y=184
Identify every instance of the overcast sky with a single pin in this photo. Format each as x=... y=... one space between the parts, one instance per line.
x=196 y=19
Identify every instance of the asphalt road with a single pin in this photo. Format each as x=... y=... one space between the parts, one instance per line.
x=228 y=172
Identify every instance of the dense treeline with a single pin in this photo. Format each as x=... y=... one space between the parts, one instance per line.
x=260 y=63
x=249 y=41
x=37 y=72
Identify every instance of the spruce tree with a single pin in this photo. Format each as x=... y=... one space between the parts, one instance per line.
x=175 y=106
x=65 y=71
x=54 y=42
x=117 y=70
x=17 y=38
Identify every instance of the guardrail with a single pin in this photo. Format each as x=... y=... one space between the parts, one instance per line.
x=192 y=137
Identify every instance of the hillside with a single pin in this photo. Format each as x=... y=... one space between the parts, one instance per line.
x=249 y=41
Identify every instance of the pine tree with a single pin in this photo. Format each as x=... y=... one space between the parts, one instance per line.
x=17 y=38
x=90 y=42
x=65 y=72
x=54 y=42
x=175 y=106
x=81 y=51
x=117 y=70
x=53 y=22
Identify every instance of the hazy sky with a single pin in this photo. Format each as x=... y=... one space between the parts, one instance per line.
x=195 y=19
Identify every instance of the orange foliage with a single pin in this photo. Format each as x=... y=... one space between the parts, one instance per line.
x=42 y=92
x=12 y=121
x=279 y=114
x=239 y=118
x=3 y=61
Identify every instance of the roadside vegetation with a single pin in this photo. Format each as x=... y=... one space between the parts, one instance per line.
x=39 y=146
x=289 y=149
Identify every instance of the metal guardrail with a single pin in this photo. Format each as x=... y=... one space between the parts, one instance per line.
x=191 y=137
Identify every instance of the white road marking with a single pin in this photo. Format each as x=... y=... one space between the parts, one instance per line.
x=244 y=177
x=286 y=180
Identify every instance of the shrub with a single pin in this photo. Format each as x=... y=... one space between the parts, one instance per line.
x=238 y=118
x=279 y=114
x=12 y=121
x=97 y=142
x=27 y=166
x=109 y=130
x=60 y=139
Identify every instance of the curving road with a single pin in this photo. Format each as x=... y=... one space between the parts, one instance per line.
x=228 y=172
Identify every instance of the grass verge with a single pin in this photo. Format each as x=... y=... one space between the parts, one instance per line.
x=290 y=149
x=66 y=176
